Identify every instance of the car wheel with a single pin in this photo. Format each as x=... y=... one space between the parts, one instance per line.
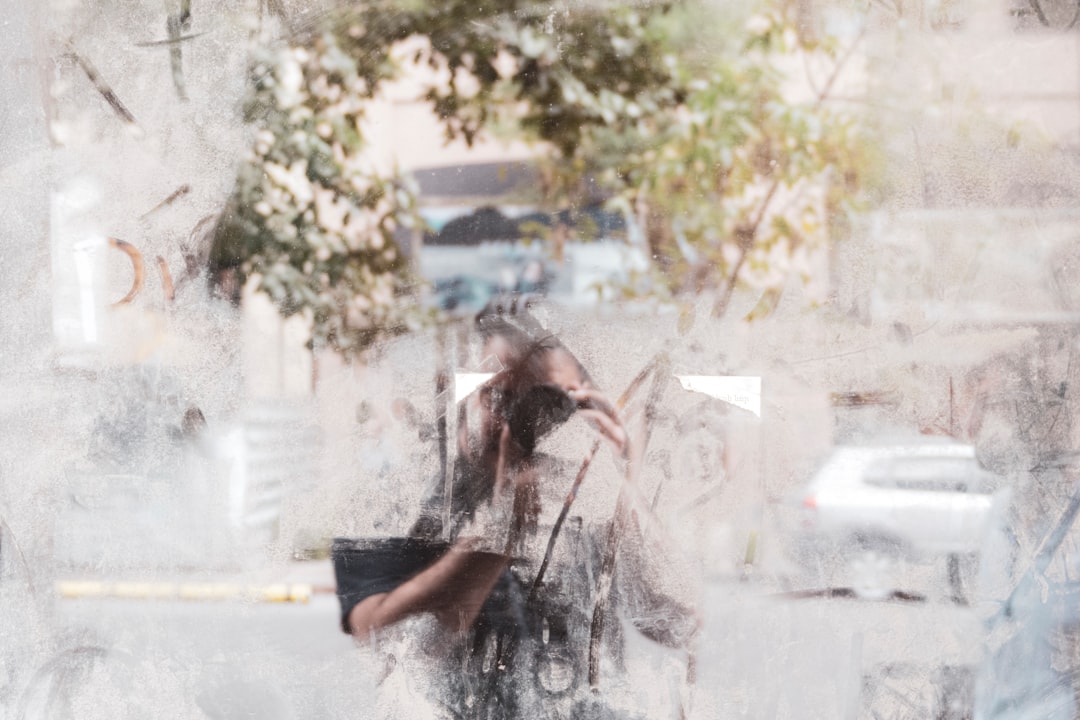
x=873 y=573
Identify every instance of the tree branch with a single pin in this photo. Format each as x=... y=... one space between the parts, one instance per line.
x=724 y=300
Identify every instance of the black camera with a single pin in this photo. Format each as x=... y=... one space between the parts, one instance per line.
x=537 y=411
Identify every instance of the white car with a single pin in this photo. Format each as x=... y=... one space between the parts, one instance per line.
x=919 y=501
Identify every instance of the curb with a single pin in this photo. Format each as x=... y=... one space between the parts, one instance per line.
x=273 y=593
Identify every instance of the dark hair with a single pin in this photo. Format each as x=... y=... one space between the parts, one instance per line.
x=532 y=406
x=509 y=317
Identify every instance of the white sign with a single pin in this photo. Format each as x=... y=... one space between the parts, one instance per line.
x=739 y=390
x=465 y=383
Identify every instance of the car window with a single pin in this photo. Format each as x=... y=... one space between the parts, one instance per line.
x=929 y=473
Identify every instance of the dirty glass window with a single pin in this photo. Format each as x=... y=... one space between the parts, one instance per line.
x=432 y=358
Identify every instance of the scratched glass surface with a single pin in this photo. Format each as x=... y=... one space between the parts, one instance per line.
x=410 y=359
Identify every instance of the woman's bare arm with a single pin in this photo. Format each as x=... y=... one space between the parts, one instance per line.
x=455 y=587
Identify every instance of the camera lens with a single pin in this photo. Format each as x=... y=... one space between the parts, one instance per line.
x=538 y=411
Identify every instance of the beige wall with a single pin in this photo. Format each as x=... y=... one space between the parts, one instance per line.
x=403 y=129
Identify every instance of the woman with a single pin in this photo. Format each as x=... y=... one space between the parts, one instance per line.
x=519 y=643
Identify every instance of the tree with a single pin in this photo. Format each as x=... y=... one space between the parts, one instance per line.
x=702 y=159
x=743 y=182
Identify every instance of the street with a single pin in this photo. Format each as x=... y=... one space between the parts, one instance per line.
x=760 y=655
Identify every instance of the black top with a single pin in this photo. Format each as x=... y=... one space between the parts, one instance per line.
x=366 y=567
x=538 y=643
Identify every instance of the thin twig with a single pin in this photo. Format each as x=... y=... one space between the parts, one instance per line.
x=744 y=250
x=570 y=497
x=751 y=232
x=176 y=54
x=603 y=591
x=443 y=402
x=169 y=41
x=808 y=74
x=173 y=197
x=628 y=393
x=1039 y=12
x=101 y=86
x=192 y=264
x=824 y=94
x=616 y=529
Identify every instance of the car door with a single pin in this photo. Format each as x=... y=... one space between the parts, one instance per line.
x=930 y=509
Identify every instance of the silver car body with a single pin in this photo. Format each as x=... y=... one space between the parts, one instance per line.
x=931 y=498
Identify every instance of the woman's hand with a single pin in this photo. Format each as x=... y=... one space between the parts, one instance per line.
x=603 y=416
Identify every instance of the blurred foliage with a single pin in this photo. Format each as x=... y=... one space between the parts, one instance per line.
x=310 y=216
x=748 y=179
x=731 y=179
